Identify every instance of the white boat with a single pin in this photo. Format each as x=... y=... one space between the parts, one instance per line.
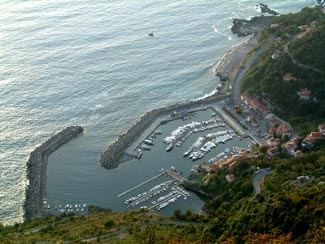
x=148 y=142
x=169 y=147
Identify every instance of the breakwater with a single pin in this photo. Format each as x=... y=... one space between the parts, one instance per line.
x=110 y=158
x=35 y=204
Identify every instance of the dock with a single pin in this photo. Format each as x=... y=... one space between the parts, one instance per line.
x=141 y=184
x=180 y=179
x=175 y=176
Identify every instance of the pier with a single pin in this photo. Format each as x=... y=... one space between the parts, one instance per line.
x=141 y=184
x=35 y=204
x=171 y=173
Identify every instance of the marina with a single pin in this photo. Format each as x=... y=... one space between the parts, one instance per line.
x=160 y=195
x=202 y=137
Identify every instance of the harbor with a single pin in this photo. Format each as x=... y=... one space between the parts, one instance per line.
x=160 y=195
x=199 y=136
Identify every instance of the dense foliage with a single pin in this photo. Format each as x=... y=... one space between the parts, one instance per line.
x=301 y=55
x=293 y=210
x=291 y=206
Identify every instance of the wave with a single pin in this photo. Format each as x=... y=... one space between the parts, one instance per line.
x=219 y=32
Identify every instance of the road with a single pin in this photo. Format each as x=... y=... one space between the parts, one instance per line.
x=258 y=178
x=286 y=50
x=236 y=82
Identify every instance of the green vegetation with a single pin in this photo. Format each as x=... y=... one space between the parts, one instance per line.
x=303 y=57
x=291 y=206
x=286 y=211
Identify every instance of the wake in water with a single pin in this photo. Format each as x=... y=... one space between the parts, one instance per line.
x=223 y=34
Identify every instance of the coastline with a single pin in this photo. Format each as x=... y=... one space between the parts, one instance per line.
x=35 y=205
x=229 y=66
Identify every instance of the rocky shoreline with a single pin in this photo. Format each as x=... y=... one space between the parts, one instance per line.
x=36 y=171
x=112 y=156
x=244 y=27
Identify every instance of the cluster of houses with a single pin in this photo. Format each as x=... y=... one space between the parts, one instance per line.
x=305 y=29
x=231 y=161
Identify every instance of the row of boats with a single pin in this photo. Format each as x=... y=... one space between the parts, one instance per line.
x=204 y=144
x=145 y=196
x=225 y=154
x=147 y=143
x=179 y=136
x=172 y=197
x=70 y=208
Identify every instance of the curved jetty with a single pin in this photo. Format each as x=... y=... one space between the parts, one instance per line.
x=112 y=156
x=35 y=204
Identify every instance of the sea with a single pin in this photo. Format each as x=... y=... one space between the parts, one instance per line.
x=93 y=63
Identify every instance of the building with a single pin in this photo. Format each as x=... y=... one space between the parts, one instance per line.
x=274 y=26
x=282 y=131
x=255 y=105
x=273 y=142
x=304 y=94
x=288 y=77
x=230 y=178
x=272 y=122
x=291 y=147
x=321 y=129
x=314 y=137
x=232 y=161
x=273 y=151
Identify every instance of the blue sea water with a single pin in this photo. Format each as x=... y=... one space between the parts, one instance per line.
x=92 y=63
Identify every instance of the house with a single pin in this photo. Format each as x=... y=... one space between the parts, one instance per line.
x=272 y=122
x=303 y=27
x=273 y=151
x=274 y=26
x=321 y=129
x=288 y=77
x=282 y=131
x=255 y=105
x=230 y=178
x=314 y=24
x=304 y=94
x=232 y=161
x=273 y=142
x=312 y=138
x=291 y=147
x=271 y=131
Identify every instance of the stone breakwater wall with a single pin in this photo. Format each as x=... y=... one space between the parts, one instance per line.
x=36 y=171
x=110 y=157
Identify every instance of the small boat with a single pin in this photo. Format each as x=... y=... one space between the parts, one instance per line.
x=148 y=142
x=139 y=154
x=169 y=147
x=150 y=34
x=144 y=147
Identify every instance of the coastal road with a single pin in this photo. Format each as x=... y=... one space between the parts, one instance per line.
x=258 y=178
x=236 y=82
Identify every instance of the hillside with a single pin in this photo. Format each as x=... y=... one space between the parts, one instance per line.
x=289 y=209
x=294 y=63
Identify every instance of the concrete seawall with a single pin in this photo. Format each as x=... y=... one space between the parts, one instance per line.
x=36 y=171
x=110 y=157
